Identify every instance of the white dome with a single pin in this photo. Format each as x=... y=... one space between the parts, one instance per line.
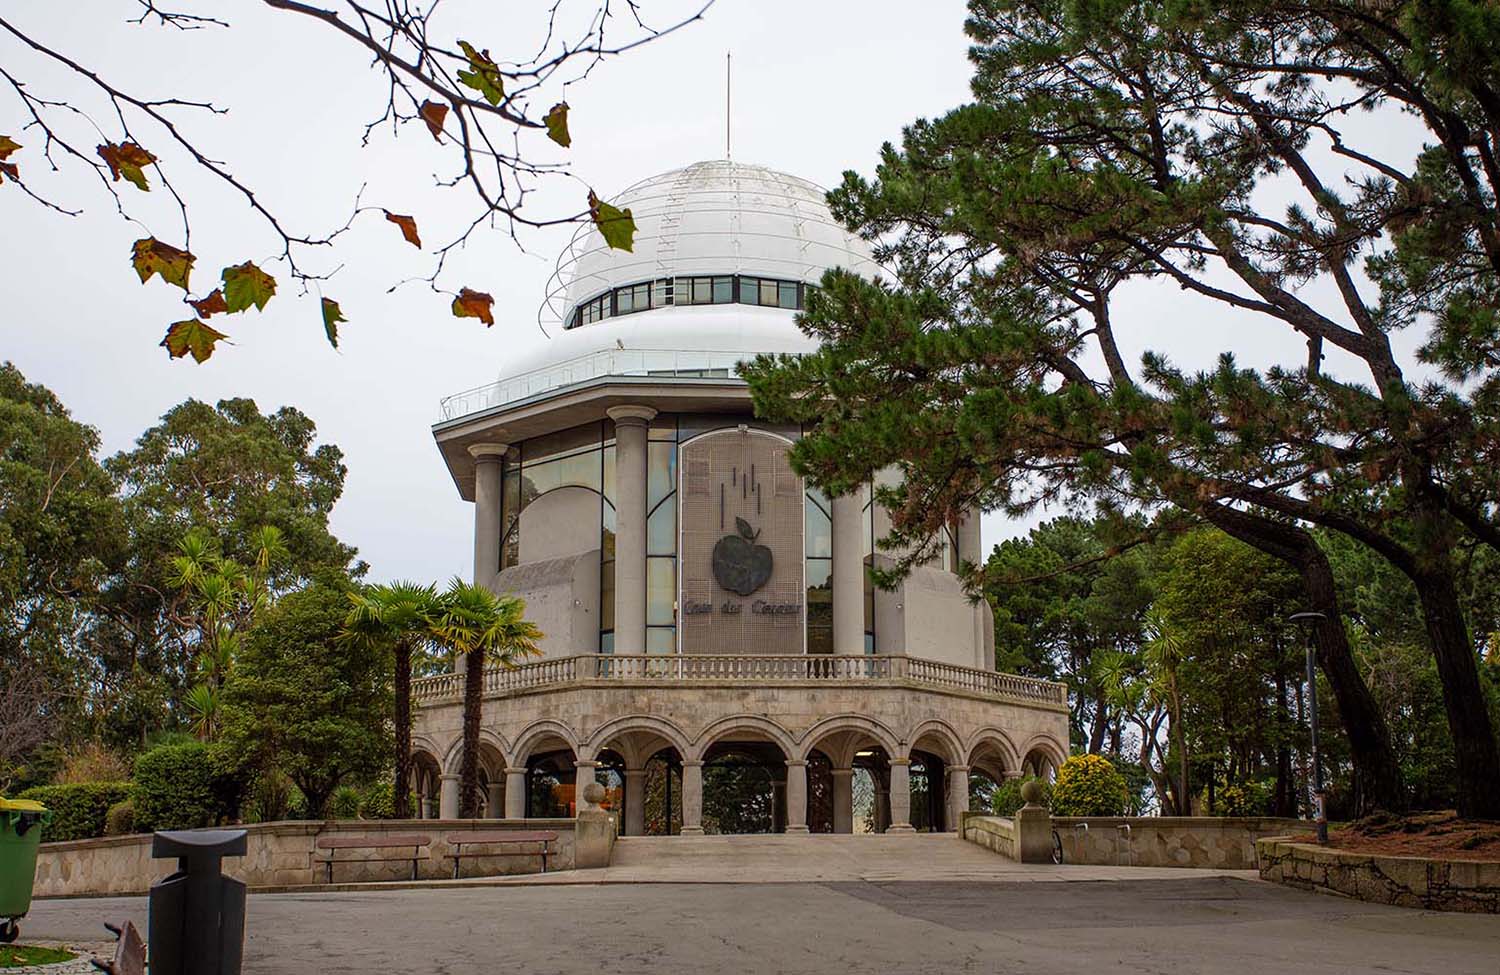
x=719 y=217
x=710 y=218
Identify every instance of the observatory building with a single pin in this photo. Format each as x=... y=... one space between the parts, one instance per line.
x=715 y=654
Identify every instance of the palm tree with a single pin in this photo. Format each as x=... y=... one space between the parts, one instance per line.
x=406 y=614
x=1164 y=655
x=480 y=626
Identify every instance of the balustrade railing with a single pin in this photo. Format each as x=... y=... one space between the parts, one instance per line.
x=744 y=668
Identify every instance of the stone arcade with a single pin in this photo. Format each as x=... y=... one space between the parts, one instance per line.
x=710 y=624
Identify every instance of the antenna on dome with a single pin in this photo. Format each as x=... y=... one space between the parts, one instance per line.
x=728 y=79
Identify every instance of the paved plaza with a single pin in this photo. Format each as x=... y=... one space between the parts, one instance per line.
x=1063 y=920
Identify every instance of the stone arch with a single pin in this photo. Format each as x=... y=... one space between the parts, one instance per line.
x=1047 y=748
x=640 y=736
x=426 y=771
x=493 y=753
x=852 y=726
x=764 y=729
x=538 y=732
x=935 y=730
x=992 y=741
x=734 y=428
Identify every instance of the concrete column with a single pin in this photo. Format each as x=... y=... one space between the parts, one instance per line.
x=843 y=800
x=495 y=799
x=848 y=575
x=900 y=796
x=515 y=793
x=796 y=796
x=882 y=807
x=448 y=797
x=487 y=493
x=426 y=808
x=635 y=802
x=630 y=526
x=692 y=798
x=582 y=777
x=970 y=547
x=958 y=795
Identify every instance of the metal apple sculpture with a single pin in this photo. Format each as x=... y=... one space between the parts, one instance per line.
x=740 y=565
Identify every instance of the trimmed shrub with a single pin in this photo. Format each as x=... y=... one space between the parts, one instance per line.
x=1008 y=795
x=1088 y=785
x=177 y=787
x=1245 y=799
x=344 y=803
x=79 y=810
x=120 y=820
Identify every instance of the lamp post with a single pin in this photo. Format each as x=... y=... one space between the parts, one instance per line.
x=1310 y=620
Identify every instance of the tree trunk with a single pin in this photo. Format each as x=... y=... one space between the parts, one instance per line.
x=1096 y=733
x=1282 y=803
x=1379 y=783
x=1474 y=746
x=401 y=796
x=468 y=785
x=1184 y=802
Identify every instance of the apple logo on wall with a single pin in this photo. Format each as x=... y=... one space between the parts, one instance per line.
x=740 y=565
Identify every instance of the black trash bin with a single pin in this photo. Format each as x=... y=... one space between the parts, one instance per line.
x=197 y=920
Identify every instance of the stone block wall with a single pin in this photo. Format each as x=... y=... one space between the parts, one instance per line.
x=995 y=833
x=1223 y=843
x=1439 y=885
x=281 y=854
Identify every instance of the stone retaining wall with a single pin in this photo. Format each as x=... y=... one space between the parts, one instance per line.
x=1224 y=843
x=995 y=833
x=281 y=854
x=1438 y=885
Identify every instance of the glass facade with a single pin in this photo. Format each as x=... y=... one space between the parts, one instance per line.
x=584 y=457
x=714 y=289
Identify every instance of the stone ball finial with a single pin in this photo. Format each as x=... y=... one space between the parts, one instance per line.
x=593 y=793
x=1031 y=792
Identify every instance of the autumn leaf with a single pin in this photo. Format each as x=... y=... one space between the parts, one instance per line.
x=557 y=125
x=7 y=146
x=408 y=227
x=246 y=285
x=331 y=318
x=434 y=114
x=151 y=256
x=191 y=337
x=11 y=170
x=616 y=225
x=473 y=304
x=128 y=160
x=212 y=305
x=485 y=78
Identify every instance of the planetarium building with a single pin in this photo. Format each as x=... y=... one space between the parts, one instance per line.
x=715 y=654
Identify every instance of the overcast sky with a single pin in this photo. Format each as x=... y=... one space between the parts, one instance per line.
x=817 y=88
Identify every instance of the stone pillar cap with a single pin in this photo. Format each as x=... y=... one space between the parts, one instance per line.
x=619 y=414
x=480 y=451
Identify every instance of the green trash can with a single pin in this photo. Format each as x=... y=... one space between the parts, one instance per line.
x=21 y=822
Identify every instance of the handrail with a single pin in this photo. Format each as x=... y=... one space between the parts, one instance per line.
x=667 y=363
x=744 y=668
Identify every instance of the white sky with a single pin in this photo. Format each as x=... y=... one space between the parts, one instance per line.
x=817 y=88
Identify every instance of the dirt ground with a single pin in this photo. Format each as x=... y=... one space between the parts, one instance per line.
x=1439 y=835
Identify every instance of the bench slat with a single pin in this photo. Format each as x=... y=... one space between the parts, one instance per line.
x=373 y=842
x=501 y=836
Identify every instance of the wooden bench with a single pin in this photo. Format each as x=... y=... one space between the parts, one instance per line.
x=416 y=843
x=130 y=951
x=534 y=842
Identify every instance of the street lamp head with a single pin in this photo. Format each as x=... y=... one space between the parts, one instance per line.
x=1309 y=618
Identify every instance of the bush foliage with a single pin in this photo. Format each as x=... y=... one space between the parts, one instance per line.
x=120 y=820
x=1088 y=785
x=182 y=786
x=79 y=810
x=1007 y=798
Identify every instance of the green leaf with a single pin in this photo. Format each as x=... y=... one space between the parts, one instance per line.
x=557 y=125
x=191 y=337
x=617 y=226
x=331 y=318
x=246 y=285
x=150 y=256
x=485 y=78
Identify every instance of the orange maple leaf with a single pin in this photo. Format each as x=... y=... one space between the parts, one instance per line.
x=408 y=227
x=434 y=114
x=473 y=304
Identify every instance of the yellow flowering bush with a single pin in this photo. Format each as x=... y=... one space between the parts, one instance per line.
x=1088 y=785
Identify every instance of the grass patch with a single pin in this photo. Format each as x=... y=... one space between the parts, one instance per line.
x=21 y=956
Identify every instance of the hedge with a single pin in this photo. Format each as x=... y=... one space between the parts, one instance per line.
x=79 y=810
x=179 y=787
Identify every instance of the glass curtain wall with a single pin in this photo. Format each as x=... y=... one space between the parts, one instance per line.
x=818 y=535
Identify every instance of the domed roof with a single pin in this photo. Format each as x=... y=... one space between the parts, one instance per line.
x=710 y=218
x=718 y=217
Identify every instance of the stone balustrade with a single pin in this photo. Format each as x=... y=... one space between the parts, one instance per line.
x=745 y=668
